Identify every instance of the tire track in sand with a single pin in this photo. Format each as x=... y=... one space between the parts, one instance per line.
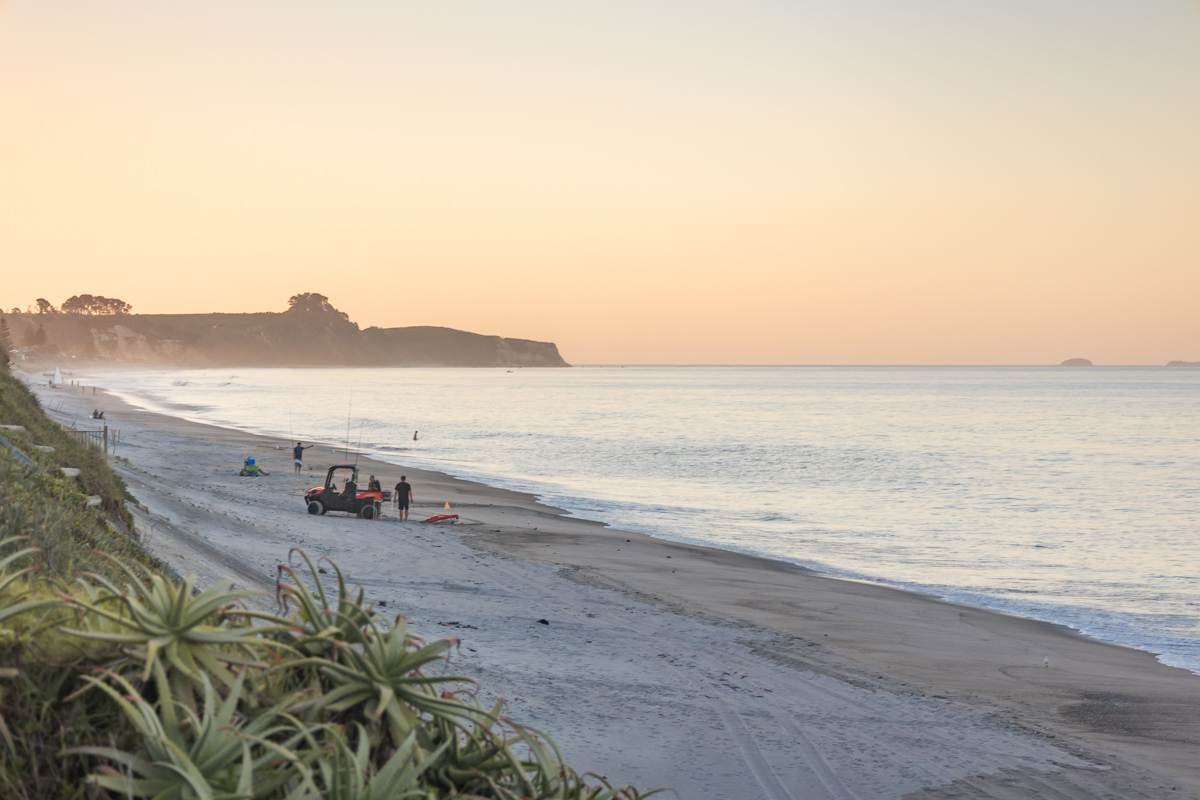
x=812 y=756
x=753 y=757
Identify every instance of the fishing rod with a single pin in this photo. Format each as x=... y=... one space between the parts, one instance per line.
x=358 y=447
x=349 y=406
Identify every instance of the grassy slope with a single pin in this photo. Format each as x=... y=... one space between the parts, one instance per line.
x=18 y=406
x=50 y=509
x=50 y=512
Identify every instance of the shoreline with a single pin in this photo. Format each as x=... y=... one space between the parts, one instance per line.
x=971 y=599
x=1116 y=703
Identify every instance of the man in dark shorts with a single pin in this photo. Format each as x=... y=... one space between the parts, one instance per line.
x=403 y=495
x=298 y=455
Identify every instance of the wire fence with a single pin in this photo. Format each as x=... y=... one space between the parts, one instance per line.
x=106 y=439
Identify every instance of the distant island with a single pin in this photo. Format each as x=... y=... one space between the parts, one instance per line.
x=1083 y=362
x=310 y=333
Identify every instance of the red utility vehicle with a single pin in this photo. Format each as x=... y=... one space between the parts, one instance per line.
x=363 y=503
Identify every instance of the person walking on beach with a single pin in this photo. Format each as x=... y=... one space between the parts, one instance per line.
x=403 y=495
x=298 y=455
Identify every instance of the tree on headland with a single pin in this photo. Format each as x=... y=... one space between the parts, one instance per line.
x=94 y=304
x=313 y=303
x=45 y=306
x=78 y=304
x=15 y=310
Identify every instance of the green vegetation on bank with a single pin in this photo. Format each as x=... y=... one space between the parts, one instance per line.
x=19 y=407
x=52 y=510
x=117 y=681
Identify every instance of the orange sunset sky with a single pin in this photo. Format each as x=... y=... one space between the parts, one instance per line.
x=864 y=181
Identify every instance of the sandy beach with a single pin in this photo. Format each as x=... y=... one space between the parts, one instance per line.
x=714 y=674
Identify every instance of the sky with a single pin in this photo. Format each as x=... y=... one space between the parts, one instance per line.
x=681 y=181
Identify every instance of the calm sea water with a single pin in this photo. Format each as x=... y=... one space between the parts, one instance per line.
x=1068 y=495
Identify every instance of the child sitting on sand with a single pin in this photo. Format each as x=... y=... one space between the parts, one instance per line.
x=251 y=469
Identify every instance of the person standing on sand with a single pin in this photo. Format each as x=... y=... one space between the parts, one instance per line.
x=298 y=455
x=403 y=495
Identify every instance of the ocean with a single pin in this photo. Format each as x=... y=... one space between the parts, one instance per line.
x=1066 y=495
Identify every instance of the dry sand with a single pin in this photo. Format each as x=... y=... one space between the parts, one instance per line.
x=716 y=674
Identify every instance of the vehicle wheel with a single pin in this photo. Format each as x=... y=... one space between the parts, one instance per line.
x=367 y=511
x=316 y=507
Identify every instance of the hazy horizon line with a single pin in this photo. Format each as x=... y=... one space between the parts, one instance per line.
x=629 y=364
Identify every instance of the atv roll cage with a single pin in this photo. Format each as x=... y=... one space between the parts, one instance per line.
x=330 y=497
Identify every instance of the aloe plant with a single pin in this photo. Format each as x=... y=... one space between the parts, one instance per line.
x=11 y=607
x=317 y=627
x=382 y=677
x=351 y=774
x=160 y=621
x=214 y=753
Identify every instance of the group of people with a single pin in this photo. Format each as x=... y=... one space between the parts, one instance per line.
x=402 y=494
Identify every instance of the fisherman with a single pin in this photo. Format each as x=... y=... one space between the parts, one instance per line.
x=373 y=485
x=403 y=495
x=298 y=455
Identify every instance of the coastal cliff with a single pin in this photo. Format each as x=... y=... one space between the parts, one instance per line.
x=306 y=335
x=427 y=346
